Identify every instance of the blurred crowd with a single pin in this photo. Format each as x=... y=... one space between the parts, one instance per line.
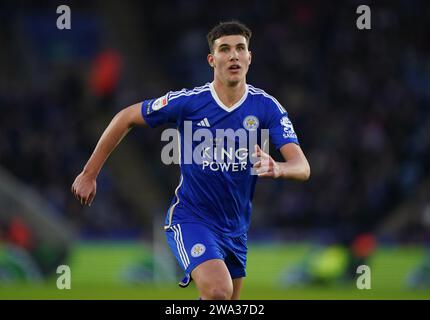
x=359 y=101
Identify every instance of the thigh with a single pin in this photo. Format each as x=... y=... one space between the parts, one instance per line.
x=213 y=280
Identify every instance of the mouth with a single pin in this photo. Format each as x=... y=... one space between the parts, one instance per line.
x=234 y=68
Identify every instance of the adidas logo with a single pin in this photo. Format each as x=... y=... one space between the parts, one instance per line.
x=204 y=123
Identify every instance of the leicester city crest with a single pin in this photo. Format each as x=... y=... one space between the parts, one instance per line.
x=197 y=250
x=251 y=123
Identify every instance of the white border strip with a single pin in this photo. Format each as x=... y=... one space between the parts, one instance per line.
x=255 y=91
x=178 y=246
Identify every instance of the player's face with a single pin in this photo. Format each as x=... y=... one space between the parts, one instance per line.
x=230 y=59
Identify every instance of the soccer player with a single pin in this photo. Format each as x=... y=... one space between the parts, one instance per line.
x=207 y=222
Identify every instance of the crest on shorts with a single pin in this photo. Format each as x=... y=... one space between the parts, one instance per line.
x=197 y=250
x=251 y=123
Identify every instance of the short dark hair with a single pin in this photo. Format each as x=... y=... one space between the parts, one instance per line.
x=228 y=29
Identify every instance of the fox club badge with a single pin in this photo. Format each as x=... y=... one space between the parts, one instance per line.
x=251 y=123
x=197 y=250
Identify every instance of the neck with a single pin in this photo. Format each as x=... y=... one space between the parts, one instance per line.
x=229 y=94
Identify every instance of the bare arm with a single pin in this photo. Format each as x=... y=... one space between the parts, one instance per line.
x=296 y=166
x=84 y=187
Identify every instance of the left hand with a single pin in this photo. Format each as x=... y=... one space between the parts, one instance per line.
x=266 y=166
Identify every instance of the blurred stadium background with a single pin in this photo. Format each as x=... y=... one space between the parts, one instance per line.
x=359 y=100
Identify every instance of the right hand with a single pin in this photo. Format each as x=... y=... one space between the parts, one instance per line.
x=84 y=188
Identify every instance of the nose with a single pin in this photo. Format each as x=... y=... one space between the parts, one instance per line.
x=234 y=55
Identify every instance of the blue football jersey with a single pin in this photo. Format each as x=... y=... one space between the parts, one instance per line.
x=216 y=186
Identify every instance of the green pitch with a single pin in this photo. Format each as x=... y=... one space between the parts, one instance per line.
x=102 y=271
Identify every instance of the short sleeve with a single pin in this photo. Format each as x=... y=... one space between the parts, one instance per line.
x=281 y=130
x=165 y=109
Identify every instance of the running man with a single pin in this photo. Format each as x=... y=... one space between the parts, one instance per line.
x=208 y=219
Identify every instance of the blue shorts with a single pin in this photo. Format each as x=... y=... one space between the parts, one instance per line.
x=194 y=243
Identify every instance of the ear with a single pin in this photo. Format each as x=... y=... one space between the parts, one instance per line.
x=250 y=57
x=211 y=60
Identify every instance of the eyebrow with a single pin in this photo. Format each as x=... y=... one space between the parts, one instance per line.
x=227 y=45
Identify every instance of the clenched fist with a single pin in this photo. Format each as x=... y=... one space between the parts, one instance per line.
x=84 y=188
